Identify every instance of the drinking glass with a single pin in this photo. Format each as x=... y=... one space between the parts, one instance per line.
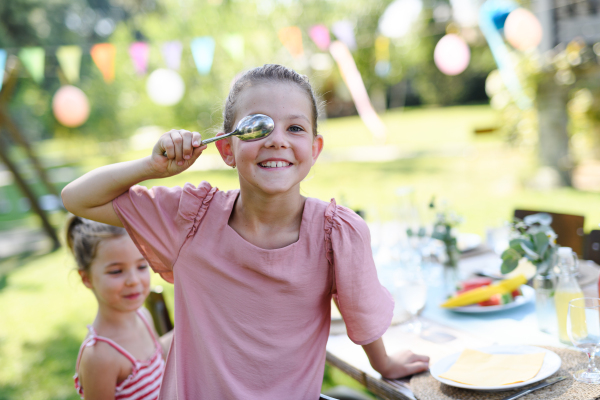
x=583 y=328
x=411 y=292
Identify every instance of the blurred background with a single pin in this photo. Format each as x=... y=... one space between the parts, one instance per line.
x=486 y=107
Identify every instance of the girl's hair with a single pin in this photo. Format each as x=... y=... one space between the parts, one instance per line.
x=268 y=73
x=83 y=236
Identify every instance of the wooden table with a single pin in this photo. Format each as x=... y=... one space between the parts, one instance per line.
x=444 y=333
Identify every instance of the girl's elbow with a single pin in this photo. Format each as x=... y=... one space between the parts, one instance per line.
x=67 y=198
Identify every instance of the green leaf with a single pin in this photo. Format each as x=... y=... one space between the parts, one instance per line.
x=515 y=244
x=529 y=251
x=541 y=242
x=510 y=260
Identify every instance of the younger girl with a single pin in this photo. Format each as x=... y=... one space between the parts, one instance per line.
x=254 y=269
x=121 y=357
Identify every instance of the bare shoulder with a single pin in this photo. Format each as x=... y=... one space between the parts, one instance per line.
x=100 y=358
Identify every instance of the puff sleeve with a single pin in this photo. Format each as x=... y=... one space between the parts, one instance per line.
x=366 y=306
x=160 y=219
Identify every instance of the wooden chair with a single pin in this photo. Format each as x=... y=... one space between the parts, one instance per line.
x=569 y=228
x=155 y=303
x=592 y=247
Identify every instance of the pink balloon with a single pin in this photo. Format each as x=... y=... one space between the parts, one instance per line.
x=522 y=29
x=71 y=106
x=452 y=55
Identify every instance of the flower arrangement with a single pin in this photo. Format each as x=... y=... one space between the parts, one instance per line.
x=444 y=230
x=533 y=239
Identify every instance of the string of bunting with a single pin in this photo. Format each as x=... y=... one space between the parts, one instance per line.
x=166 y=87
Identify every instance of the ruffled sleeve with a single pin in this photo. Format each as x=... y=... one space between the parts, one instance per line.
x=160 y=219
x=366 y=306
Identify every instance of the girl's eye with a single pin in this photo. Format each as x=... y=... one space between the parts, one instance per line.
x=142 y=267
x=296 y=128
x=114 y=272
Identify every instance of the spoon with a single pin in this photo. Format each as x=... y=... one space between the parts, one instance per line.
x=251 y=127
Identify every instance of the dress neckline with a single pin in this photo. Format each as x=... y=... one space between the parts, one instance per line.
x=239 y=237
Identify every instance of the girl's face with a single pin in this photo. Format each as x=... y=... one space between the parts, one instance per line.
x=278 y=163
x=118 y=275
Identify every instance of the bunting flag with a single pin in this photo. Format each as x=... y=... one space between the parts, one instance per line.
x=382 y=49
x=139 y=52
x=103 y=55
x=320 y=35
x=291 y=38
x=2 y=65
x=33 y=59
x=203 y=50
x=234 y=46
x=69 y=59
x=171 y=52
x=344 y=31
x=342 y=56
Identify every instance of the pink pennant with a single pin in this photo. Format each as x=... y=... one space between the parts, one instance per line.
x=139 y=54
x=171 y=52
x=320 y=35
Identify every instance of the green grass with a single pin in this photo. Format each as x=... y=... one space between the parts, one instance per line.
x=44 y=307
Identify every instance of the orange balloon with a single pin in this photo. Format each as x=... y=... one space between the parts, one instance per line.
x=522 y=29
x=71 y=106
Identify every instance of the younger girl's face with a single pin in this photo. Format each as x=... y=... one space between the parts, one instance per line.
x=119 y=275
x=278 y=163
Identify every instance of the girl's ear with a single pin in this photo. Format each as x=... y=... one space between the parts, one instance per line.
x=317 y=147
x=226 y=150
x=85 y=278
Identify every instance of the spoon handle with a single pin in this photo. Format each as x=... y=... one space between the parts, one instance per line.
x=207 y=141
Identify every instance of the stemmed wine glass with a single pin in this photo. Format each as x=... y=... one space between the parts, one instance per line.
x=411 y=292
x=583 y=328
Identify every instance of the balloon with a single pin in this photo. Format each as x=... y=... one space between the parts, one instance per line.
x=71 y=106
x=165 y=87
x=451 y=55
x=522 y=29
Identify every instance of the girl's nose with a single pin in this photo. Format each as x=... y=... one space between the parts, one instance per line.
x=132 y=278
x=277 y=138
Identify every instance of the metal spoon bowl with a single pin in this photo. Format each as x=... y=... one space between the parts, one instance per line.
x=251 y=127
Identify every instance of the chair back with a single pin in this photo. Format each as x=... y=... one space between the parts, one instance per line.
x=592 y=247
x=569 y=228
x=155 y=303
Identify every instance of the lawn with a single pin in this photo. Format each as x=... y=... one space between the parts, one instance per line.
x=44 y=308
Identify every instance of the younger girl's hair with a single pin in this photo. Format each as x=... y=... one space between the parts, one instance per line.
x=268 y=73
x=83 y=236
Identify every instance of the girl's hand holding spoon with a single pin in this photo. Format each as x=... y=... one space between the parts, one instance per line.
x=175 y=152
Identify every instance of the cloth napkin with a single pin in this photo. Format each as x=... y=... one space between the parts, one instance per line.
x=482 y=369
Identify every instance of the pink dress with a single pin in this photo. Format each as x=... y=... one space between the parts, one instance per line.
x=253 y=323
x=146 y=376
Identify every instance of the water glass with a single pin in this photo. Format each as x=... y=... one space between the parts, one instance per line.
x=410 y=291
x=583 y=328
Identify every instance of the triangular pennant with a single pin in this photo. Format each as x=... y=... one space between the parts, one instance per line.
x=103 y=55
x=320 y=35
x=171 y=52
x=234 y=46
x=69 y=59
x=344 y=31
x=203 y=51
x=2 y=65
x=291 y=38
x=382 y=49
x=139 y=52
x=33 y=59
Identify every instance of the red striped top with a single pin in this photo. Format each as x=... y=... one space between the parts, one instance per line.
x=146 y=376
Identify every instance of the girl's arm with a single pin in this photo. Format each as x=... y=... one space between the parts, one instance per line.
x=91 y=195
x=98 y=374
x=399 y=365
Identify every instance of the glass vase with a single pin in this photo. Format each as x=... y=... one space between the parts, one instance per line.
x=451 y=274
x=545 y=310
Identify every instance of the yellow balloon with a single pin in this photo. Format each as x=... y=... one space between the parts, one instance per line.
x=522 y=29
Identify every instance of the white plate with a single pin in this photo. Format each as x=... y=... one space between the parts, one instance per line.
x=528 y=295
x=550 y=366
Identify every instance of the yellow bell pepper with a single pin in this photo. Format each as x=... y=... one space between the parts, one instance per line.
x=485 y=292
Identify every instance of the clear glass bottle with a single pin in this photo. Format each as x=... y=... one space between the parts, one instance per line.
x=566 y=290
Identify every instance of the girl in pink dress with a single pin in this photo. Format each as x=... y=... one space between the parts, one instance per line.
x=254 y=269
x=121 y=357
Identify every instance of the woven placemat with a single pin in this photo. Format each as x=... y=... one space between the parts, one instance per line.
x=425 y=387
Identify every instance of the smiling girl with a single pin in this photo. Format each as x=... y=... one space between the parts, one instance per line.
x=120 y=358
x=254 y=269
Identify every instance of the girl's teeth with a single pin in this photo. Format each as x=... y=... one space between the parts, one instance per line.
x=279 y=164
x=275 y=164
